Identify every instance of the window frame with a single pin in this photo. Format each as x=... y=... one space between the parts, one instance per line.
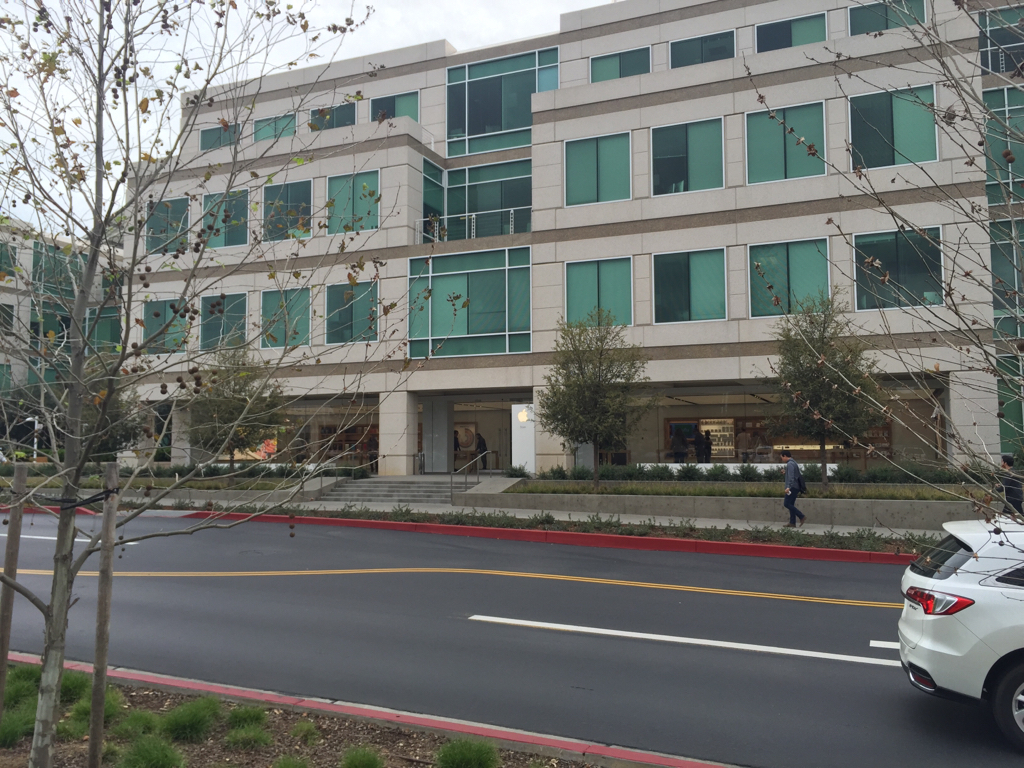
x=942 y=270
x=373 y=286
x=725 y=268
x=858 y=4
x=182 y=234
x=986 y=32
x=235 y=127
x=245 y=321
x=565 y=168
x=248 y=220
x=329 y=213
x=849 y=129
x=263 y=212
x=746 y=149
x=419 y=103
x=332 y=107
x=650 y=62
x=750 y=274
x=467 y=184
x=650 y=143
x=295 y=126
x=263 y=331
x=181 y=348
x=701 y=37
x=632 y=285
x=792 y=19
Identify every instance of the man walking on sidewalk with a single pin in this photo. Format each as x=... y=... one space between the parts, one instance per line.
x=794 y=487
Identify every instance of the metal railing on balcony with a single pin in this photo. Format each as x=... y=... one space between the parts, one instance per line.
x=470 y=226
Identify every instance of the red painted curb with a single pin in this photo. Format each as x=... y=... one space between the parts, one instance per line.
x=601 y=540
x=582 y=748
x=4 y=509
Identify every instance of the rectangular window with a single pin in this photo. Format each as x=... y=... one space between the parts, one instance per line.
x=688 y=157
x=103 y=332
x=774 y=154
x=689 y=286
x=489 y=200
x=597 y=170
x=893 y=128
x=226 y=219
x=165 y=329
x=6 y=381
x=352 y=313
x=616 y=65
x=222 y=320
x=8 y=258
x=796 y=272
x=56 y=271
x=167 y=226
x=402 y=105
x=7 y=319
x=285 y=318
x=1011 y=396
x=876 y=17
x=606 y=284
x=224 y=135
x=1001 y=40
x=898 y=269
x=433 y=202
x=270 y=128
x=470 y=304
x=353 y=202
x=287 y=209
x=325 y=118
x=700 y=50
x=1007 y=247
x=791 y=33
x=1003 y=146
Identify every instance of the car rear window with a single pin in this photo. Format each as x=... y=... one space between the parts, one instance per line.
x=1013 y=578
x=942 y=560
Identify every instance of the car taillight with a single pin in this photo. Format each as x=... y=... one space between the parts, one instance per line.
x=938 y=603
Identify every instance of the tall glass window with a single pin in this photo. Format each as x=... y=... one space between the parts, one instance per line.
x=222 y=320
x=165 y=328
x=687 y=157
x=700 y=50
x=351 y=313
x=433 y=202
x=353 y=202
x=489 y=102
x=8 y=258
x=226 y=219
x=402 y=105
x=791 y=33
x=56 y=271
x=893 y=128
x=796 y=272
x=689 y=286
x=224 y=135
x=167 y=226
x=1001 y=40
x=624 y=64
x=1007 y=238
x=1004 y=146
x=270 y=128
x=103 y=328
x=1011 y=404
x=325 y=118
x=774 y=154
x=285 y=318
x=898 y=269
x=597 y=170
x=287 y=209
x=7 y=319
x=876 y=17
x=606 y=284
x=489 y=200
x=470 y=304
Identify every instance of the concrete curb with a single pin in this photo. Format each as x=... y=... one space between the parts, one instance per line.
x=602 y=540
x=556 y=746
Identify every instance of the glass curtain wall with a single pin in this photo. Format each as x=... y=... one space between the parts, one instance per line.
x=1001 y=40
x=489 y=200
x=1005 y=176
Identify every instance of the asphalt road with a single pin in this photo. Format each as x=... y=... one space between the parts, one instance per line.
x=405 y=640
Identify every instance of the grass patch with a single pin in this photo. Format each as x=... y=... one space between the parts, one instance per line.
x=467 y=753
x=151 y=752
x=306 y=732
x=18 y=691
x=192 y=721
x=18 y=723
x=73 y=686
x=248 y=737
x=290 y=762
x=240 y=717
x=137 y=724
x=362 y=757
x=113 y=704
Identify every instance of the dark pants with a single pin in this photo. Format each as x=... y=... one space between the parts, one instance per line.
x=679 y=456
x=483 y=461
x=790 y=503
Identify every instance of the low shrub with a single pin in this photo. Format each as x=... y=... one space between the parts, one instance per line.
x=715 y=533
x=661 y=472
x=18 y=723
x=844 y=473
x=31 y=673
x=748 y=473
x=247 y=737
x=689 y=473
x=362 y=757
x=558 y=472
x=580 y=472
x=717 y=473
x=811 y=473
x=151 y=752
x=18 y=691
x=541 y=519
x=72 y=729
x=113 y=705
x=467 y=753
x=360 y=473
x=762 y=534
x=517 y=470
x=73 y=686
x=290 y=762
x=192 y=721
x=306 y=732
x=240 y=717
x=137 y=724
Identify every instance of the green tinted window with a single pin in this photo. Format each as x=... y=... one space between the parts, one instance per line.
x=1000 y=40
x=56 y=271
x=8 y=258
x=774 y=154
x=226 y=220
x=104 y=328
x=351 y=313
x=791 y=33
x=165 y=328
x=597 y=170
x=325 y=118
x=402 y=105
x=687 y=157
x=893 y=128
x=222 y=320
x=167 y=226
x=689 y=286
x=270 y=128
x=605 y=284
x=222 y=136
x=285 y=318
x=699 y=50
x=6 y=319
x=1004 y=148
x=287 y=209
x=898 y=269
x=876 y=17
x=795 y=271
x=616 y=65
x=353 y=202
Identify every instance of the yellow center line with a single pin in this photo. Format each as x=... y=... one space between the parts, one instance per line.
x=483 y=572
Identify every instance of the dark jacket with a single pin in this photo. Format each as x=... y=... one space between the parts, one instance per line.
x=792 y=475
x=1010 y=488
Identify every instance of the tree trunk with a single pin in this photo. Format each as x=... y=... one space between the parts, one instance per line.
x=11 y=571
x=824 y=465
x=597 y=467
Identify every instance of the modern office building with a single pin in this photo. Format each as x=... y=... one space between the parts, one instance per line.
x=638 y=161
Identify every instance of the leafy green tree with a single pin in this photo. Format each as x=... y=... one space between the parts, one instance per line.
x=234 y=407
x=592 y=393
x=823 y=376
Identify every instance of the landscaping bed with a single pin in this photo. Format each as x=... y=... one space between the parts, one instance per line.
x=168 y=728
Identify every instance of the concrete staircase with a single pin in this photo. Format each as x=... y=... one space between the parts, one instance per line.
x=386 y=492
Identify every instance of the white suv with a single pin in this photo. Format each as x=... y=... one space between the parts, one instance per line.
x=962 y=628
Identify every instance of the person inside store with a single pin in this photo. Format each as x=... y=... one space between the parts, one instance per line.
x=678 y=444
x=709 y=446
x=699 y=447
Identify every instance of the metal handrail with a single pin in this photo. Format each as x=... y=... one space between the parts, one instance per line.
x=465 y=487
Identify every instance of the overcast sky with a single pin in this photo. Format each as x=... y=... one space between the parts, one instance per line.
x=465 y=24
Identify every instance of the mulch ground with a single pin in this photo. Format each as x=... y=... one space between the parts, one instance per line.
x=400 y=747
